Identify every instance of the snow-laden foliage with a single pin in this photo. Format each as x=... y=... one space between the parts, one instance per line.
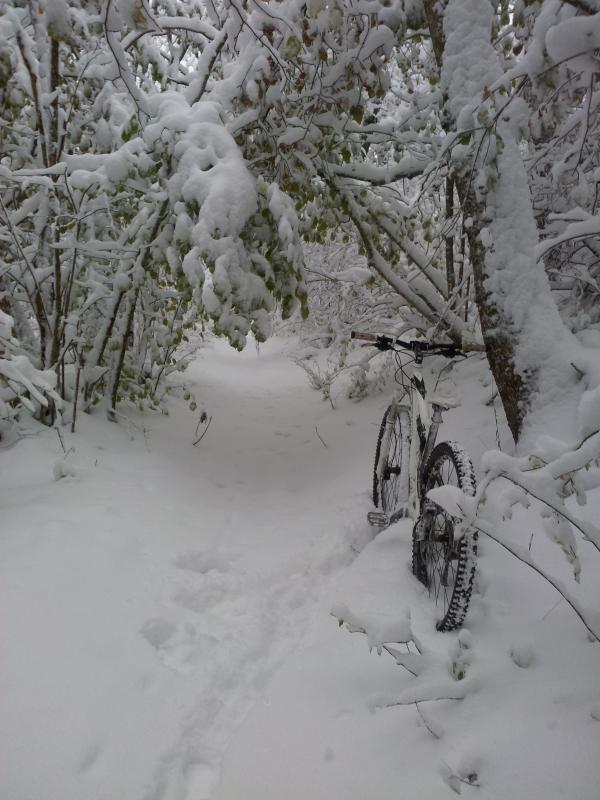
x=344 y=295
x=436 y=677
x=467 y=171
x=128 y=212
x=20 y=382
x=564 y=155
x=160 y=161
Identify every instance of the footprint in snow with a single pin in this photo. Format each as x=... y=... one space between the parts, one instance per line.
x=90 y=756
x=204 y=561
x=180 y=649
x=191 y=653
x=201 y=779
x=157 y=632
x=216 y=589
x=215 y=580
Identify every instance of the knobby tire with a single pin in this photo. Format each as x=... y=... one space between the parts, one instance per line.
x=445 y=567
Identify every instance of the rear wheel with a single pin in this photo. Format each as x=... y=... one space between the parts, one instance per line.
x=444 y=553
x=390 y=473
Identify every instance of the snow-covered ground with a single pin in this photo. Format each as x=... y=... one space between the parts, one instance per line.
x=166 y=627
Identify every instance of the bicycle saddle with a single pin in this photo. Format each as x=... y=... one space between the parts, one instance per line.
x=443 y=402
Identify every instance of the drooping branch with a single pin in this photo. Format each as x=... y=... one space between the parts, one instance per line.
x=419 y=297
x=381 y=176
x=523 y=555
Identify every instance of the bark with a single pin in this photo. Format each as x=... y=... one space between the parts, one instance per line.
x=97 y=354
x=41 y=319
x=513 y=387
x=116 y=378
x=57 y=317
x=128 y=329
x=450 y=276
x=57 y=325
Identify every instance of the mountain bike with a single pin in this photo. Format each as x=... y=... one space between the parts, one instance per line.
x=408 y=464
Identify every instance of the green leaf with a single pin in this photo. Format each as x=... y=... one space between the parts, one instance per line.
x=291 y=48
x=357 y=113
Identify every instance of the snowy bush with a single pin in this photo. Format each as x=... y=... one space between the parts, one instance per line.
x=343 y=295
x=129 y=214
x=21 y=384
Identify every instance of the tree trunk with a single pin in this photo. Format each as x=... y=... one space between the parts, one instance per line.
x=515 y=389
x=116 y=378
x=450 y=275
x=499 y=344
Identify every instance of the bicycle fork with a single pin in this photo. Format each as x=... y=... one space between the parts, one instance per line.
x=380 y=519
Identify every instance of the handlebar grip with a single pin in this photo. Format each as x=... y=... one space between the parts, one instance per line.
x=366 y=337
x=450 y=350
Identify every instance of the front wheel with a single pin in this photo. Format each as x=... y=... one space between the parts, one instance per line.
x=390 y=472
x=444 y=554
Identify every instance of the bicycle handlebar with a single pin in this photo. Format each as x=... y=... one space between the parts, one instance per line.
x=414 y=345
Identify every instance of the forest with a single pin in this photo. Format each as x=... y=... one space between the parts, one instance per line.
x=183 y=182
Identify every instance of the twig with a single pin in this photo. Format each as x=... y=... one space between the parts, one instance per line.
x=575 y=521
x=113 y=415
x=492 y=399
x=550 y=610
x=76 y=397
x=458 y=695
x=60 y=439
x=580 y=373
x=204 y=431
x=522 y=555
x=436 y=734
x=320 y=437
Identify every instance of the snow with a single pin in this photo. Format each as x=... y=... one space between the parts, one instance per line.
x=57 y=17
x=589 y=412
x=167 y=627
x=466 y=27
x=577 y=39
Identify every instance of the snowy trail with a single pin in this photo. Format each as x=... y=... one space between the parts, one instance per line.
x=166 y=621
x=157 y=591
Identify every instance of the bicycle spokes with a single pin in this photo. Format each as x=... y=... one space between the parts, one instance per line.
x=443 y=562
